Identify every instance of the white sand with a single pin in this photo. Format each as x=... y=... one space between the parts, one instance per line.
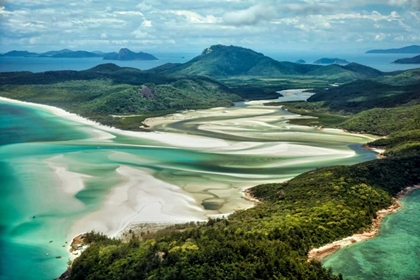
x=71 y=182
x=102 y=132
x=141 y=198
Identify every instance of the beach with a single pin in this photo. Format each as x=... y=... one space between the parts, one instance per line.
x=329 y=249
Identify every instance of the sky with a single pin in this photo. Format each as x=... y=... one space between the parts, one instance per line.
x=184 y=25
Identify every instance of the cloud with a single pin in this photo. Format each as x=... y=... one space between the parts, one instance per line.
x=308 y=9
x=415 y=4
x=185 y=24
x=250 y=16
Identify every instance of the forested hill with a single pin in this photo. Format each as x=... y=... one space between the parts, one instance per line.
x=106 y=90
x=220 y=62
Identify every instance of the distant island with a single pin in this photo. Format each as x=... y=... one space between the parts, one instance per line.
x=408 y=49
x=19 y=53
x=124 y=54
x=301 y=61
x=411 y=60
x=331 y=61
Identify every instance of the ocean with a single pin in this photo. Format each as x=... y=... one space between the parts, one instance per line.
x=381 y=62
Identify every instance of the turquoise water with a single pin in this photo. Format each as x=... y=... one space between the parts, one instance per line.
x=38 y=212
x=393 y=254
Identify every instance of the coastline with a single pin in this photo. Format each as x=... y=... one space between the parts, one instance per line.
x=250 y=197
x=328 y=249
x=380 y=152
x=120 y=207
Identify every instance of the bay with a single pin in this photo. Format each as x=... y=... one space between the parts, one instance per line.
x=393 y=254
x=60 y=177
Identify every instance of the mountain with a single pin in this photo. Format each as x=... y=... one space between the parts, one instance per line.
x=20 y=53
x=365 y=71
x=412 y=60
x=331 y=61
x=301 y=61
x=75 y=54
x=408 y=49
x=220 y=61
x=126 y=54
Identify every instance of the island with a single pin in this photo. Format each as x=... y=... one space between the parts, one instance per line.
x=126 y=54
x=412 y=60
x=15 y=53
x=123 y=54
x=408 y=49
x=331 y=61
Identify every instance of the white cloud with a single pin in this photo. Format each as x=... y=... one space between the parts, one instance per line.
x=380 y=36
x=250 y=16
x=193 y=17
x=186 y=24
x=146 y=23
x=129 y=13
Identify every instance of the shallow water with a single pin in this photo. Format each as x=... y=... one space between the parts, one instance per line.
x=56 y=177
x=393 y=254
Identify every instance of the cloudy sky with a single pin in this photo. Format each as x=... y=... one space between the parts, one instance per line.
x=184 y=25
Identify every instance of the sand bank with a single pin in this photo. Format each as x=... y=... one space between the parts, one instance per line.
x=326 y=250
x=71 y=182
x=139 y=199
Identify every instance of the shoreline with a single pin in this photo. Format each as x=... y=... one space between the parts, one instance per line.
x=122 y=208
x=322 y=252
x=379 y=152
x=249 y=196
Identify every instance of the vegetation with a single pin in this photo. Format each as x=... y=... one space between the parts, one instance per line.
x=226 y=62
x=269 y=241
x=108 y=90
x=126 y=54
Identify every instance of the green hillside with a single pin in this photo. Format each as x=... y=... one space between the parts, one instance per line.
x=362 y=95
x=107 y=90
x=223 y=62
